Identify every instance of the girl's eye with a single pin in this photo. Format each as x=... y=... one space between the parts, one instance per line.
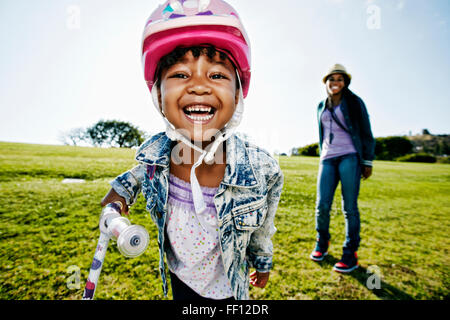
x=179 y=76
x=217 y=76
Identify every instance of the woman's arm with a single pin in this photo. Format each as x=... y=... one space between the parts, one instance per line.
x=366 y=172
x=367 y=139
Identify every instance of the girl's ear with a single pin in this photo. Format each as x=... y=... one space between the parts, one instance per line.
x=236 y=98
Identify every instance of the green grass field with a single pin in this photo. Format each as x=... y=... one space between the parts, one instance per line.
x=48 y=227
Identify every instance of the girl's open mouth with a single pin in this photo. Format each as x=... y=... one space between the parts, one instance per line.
x=199 y=113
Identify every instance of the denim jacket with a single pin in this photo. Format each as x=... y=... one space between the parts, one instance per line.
x=246 y=202
x=358 y=123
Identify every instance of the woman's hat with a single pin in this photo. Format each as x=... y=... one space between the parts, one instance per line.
x=337 y=68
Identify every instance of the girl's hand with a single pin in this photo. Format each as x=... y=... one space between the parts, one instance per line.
x=259 y=279
x=112 y=196
x=366 y=172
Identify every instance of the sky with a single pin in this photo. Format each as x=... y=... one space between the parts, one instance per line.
x=67 y=64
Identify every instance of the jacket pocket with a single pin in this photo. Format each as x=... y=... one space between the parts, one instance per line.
x=250 y=216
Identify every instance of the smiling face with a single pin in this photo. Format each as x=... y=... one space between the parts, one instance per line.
x=199 y=95
x=335 y=83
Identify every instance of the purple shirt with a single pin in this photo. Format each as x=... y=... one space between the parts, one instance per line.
x=341 y=143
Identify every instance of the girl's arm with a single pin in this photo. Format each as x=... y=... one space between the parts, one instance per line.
x=260 y=249
x=259 y=279
x=126 y=188
x=112 y=196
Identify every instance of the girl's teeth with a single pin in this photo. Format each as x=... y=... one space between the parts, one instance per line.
x=202 y=109
x=200 y=118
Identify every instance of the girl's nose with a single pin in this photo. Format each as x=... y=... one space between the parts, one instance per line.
x=199 y=87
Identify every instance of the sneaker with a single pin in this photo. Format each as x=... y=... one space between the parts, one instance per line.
x=348 y=263
x=320 y=251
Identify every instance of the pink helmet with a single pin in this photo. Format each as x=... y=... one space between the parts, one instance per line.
x=195 y=22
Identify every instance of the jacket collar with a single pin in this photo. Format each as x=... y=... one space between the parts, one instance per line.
x=155 y=151
x=239 y=170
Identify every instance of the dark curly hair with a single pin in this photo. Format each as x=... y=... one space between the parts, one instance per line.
x=178 y=53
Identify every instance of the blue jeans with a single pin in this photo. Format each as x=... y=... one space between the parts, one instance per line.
x=346 y=169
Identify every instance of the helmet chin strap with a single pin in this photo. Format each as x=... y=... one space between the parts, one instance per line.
x=208 y=153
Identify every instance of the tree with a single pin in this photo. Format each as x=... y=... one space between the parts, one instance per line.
x=425 y=131
x=445 y=148
x=294 y=151
x=310 y=150
x=115 y=134
x=73 y=136
x=389 y=148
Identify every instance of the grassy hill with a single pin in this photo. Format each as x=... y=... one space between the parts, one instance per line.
x=48 y=229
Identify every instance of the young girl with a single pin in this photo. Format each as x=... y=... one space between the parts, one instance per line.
x=212 y=194
x=347 y=150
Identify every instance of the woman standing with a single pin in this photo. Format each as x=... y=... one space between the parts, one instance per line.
x=346 y=152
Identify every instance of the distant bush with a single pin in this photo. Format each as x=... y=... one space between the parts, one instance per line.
x=443 y=159
x=390 y=148
x=309 y=150
x=418 y=157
